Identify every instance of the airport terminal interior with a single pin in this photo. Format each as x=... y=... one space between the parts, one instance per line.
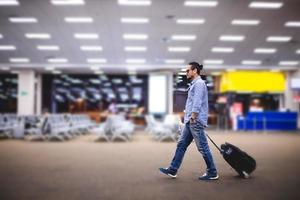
x=93 y=97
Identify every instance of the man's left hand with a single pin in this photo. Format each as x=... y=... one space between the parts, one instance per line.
x=193 y=117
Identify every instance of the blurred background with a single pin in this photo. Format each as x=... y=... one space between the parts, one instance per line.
x=115 y=70
x=80 y=56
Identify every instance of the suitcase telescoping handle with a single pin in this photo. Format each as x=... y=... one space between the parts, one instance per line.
x=221 y=151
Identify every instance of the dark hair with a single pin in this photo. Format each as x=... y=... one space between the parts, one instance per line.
x=195 y=65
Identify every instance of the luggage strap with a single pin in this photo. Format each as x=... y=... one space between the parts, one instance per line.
x=221 y=151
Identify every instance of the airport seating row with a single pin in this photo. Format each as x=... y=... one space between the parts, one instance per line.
x=58 y=127
x=62 y=127
x=168 y=129
x=116 y=127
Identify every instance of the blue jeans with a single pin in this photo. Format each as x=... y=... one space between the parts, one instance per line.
x=193 y=131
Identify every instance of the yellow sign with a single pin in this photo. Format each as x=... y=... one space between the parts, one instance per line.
x=253 y=82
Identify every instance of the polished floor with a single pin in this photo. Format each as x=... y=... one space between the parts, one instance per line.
x=83 y=169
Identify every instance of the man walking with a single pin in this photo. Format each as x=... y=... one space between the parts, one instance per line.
x=195 y=120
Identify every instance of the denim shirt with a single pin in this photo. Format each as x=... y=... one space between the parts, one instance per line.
x=197 y=101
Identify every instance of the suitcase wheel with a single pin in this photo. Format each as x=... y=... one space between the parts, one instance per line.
x=245 y=175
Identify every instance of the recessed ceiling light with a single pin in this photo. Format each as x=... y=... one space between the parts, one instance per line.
x=265 y=50
x=7 y=47
x=88 y=36
x=216 y=73
x=5 y=68
x=278 y=39
x=135 y=61
x=233 y=38
x=190 y=21
x=222 y=49
x=289 y=63
x=292 y=24
x=57 y=60
x=179 y=49
x=56 y=72
x=67 y=2
x=298 y=51
x=37 y=36
x=201 y=3
x=251 y=62
x=135 y=48
x=183 y=37
x=134 y=20
x=275 y=70
x=49 y=68
x=231 y=70
x=181 y=73
x=245 y=22
x=134 y=2
x=9 y=3
x=19 y=60
x=265 y=5
x=15 y=72
x=47 y=47
x=96 y=60
x=23 y=20
x=132 y=72
x=135 y=36
x=79 y=20
x=98 y=72
x=91 y=48
x=174 y=61
x=1 y=36
x=95 y=67
x=213 y=62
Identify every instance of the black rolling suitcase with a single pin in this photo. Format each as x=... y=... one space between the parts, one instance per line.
x=239 y=160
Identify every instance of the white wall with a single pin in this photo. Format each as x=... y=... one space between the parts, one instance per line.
x=289 y=93
x=160 y=93
x=38 y=96
x=26 y=97
x=170 y=93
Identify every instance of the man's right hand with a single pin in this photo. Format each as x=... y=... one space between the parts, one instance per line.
x=192 y=120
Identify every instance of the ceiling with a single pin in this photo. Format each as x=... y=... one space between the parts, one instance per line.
x=162 y=16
